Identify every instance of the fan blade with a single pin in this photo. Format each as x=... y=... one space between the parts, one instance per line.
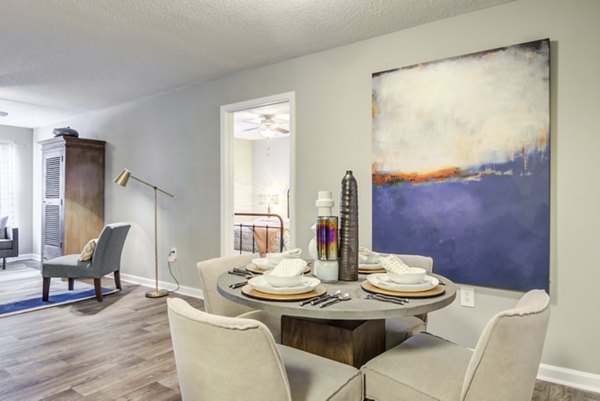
x=251 y=129
x=283 y=131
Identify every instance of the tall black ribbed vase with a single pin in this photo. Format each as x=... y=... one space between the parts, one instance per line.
x=348 y=268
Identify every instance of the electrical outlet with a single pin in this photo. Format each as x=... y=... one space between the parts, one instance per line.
x=467 y=296
x=173 y=254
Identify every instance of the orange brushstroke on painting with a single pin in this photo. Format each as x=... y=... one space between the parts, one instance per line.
x=417 y=178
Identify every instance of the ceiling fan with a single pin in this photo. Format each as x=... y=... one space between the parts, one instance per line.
x=268 y=125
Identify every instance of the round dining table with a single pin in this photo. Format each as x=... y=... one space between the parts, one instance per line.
x=350 y=331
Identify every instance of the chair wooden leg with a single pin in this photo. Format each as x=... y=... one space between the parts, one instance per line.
x=3 y=263
x=46 y=289
x=98 y=288
x=118 y=279
x=71 y=284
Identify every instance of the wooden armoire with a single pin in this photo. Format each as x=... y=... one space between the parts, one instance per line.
x=73 y=194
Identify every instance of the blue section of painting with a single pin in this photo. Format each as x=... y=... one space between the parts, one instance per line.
x=491 y=231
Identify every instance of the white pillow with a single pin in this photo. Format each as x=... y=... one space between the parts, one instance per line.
x=88 y=250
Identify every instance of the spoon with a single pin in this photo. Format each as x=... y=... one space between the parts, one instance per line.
x=344 y=297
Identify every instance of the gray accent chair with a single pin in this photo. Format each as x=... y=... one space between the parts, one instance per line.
x=209 y=271
x=225 y=358
x=9 y=244
x=105 y=260
x=502 y=367
x=399 y=329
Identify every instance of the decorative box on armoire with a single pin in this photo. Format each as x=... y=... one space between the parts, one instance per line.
x=73 y=194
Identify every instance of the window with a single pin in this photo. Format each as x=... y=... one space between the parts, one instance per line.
x=8 y=152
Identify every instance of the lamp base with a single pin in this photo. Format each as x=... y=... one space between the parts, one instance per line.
x=157 y=293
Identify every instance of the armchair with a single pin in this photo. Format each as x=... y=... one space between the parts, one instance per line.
x=233 y=358
x=502 y=367
x=106 y=259
x=215 y=303
x=9 y=244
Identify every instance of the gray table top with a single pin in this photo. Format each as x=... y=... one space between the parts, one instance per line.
x=356 y=308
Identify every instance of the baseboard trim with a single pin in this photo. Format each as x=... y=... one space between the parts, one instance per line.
x=570 y=377
x=146 y=282
x=25 y=256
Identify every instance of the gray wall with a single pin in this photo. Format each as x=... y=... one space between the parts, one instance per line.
x=173 y=140
x=23 y=138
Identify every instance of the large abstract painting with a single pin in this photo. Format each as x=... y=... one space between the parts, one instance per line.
x=461 y=168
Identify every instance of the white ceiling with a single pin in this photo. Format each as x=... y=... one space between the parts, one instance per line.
x=65 y=57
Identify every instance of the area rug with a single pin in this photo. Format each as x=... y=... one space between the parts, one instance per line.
x=21 y=291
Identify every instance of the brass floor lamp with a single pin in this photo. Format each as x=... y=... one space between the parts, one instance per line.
x=122 y=179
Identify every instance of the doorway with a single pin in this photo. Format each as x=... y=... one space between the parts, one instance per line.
x=257 y=175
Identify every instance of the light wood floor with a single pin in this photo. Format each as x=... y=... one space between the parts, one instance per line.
x=119 y=349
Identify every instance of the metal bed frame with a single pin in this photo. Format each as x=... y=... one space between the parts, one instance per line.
x=253 y=226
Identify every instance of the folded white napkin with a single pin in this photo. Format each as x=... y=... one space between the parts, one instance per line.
x=394 y=264
x=292 y=253
x=366 y=255
x=289 y=267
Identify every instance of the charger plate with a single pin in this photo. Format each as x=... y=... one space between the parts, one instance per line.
x=255 y=269
x=365 y=268
x=249 y=291
x=437 y=290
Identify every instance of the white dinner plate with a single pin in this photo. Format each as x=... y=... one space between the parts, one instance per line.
x=263 y=263
x=383 y=281
x=369 y=266
x=306 y=285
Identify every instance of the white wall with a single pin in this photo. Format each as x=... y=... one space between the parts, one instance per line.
x=243 y=168
x=173 y=140
x=22 y=138
x=271 y=173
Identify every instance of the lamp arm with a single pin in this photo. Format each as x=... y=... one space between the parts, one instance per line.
x=152 y=186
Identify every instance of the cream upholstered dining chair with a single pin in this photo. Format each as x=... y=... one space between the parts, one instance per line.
x=399 y=329
x=225 y=358
x=502 y=367
x=215 y=303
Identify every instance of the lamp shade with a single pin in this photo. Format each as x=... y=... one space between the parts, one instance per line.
x=123 y=177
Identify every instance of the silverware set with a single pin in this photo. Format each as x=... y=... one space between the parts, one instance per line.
x=326 y=299
x=320 y=298
x=238 y=285
x=241 y=273
x=386 y=298
x=342 y=297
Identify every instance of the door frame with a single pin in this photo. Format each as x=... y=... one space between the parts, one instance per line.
x=227 y=178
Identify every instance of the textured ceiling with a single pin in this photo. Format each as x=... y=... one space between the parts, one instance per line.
x=65 y=57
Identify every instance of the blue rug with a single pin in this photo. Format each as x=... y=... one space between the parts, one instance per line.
x=21 y=291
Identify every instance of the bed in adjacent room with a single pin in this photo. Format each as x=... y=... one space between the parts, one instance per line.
x=260 y=233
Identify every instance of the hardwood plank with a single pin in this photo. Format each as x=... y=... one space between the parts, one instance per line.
x=153 y=391
x=541 y=391
x=563 y=393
